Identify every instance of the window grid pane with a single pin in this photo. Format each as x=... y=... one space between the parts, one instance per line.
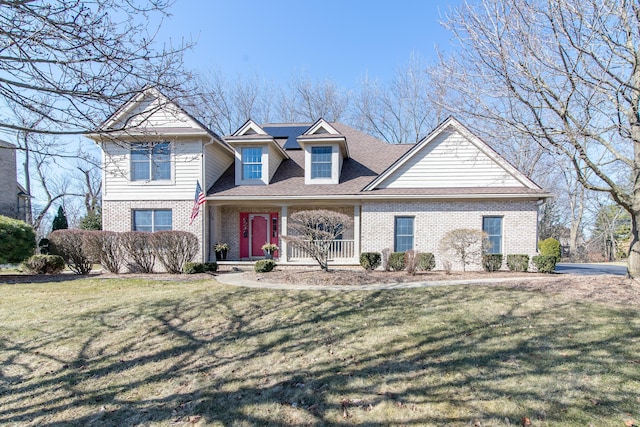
x=150 y=163
x=492 y=225
x=162 y=220
x=321 y=162
x=142 y=220
x=150 y=220
x=251 y=163
x=403 y=234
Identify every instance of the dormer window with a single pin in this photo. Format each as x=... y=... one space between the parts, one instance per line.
x=321 y=162
x=150 y=161
x=251 y=163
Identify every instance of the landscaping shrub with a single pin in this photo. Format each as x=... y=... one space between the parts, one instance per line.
x=426 y=261
x=411 y=261
x=70 y=245
x=105 y=247
x=386 y=253
x=396 y=261
x=544 y=263
x=491 y=262
x=44 y=264
x=264 y=266
x=138 y=251
x=174 y=248
x=211 y=266
x=370 y=260
x=550 y=247
x=518 y=262
x=17 y=240
x=193 y=268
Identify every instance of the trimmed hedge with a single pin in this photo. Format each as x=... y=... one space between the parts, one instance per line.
x=71 y=246
x=105 y=247
x=370 y=260
x=44 y=264
x=211 y=266
x=426 y=261
x=544 y=263
x=17 y=240
x=550 y=247
x=518 y=262
x=264 y=265
x=193 y=267
x=491 y=262
x=174 y=248
x=396 y=261
x=139 y=252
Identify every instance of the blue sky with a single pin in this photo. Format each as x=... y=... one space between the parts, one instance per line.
x=338 y=39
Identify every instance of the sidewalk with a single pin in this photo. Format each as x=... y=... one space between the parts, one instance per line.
x=239 y=279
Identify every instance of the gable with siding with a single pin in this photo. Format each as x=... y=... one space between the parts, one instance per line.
x=451 y=157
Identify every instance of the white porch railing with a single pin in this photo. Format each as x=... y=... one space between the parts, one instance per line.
x=338 y=249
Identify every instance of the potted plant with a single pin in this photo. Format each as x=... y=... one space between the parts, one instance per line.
x=269 y=249
x=221 y=251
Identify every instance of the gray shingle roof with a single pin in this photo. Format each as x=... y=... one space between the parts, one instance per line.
x=369 y=157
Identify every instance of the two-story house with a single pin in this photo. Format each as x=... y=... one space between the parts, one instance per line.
x=404 y=196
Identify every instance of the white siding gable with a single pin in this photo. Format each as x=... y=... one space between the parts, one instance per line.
x=450 y=160
x=186 y=164
x=154 y=112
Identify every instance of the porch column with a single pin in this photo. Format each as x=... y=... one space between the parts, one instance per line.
x=356 y=231
x=284 y=250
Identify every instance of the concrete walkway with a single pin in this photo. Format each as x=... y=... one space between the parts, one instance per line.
x=239 y=279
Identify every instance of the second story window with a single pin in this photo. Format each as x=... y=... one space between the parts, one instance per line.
x=320 y=162
x=150 y=162
x=252 y=163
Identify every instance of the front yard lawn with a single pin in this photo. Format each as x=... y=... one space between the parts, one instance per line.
x=123 y=351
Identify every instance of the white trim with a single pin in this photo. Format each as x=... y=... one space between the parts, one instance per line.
x=249 y=125
x=321 y=124
x=251 y=217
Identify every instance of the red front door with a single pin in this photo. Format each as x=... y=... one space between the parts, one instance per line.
x=259 y=234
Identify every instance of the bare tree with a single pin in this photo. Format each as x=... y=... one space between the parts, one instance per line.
x=70 y=62
x=399 y=111
x=315 y=231
x=304 y=100
x=224 y=105
x=566 y=73
x=466 y=245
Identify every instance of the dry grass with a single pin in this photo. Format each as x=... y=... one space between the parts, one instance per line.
x=152 y=352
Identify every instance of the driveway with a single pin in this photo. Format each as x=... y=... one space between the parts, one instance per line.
x=592 y=269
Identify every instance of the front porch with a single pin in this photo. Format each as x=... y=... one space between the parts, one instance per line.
x=247 y=228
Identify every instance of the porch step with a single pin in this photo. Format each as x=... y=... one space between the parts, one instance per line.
x=248 y=265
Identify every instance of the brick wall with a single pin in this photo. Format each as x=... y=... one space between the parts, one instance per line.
x=434 y=219
x=117 y=216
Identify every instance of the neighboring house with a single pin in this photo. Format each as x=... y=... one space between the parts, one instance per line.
x=13 y=196
x=400 y=197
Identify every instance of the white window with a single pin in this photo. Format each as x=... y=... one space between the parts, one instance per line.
x=403 y=234
x=252 y=163
x=321 y=162
x=150 y=162
x=152 y=220
x=492 y=225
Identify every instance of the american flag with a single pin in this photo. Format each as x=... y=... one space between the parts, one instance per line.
x=199 y=199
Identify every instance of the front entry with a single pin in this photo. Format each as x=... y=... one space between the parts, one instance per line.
x=258 y=234
x=256 y=229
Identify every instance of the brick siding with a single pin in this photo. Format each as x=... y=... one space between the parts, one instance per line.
x=434 y=219
x=118 y=216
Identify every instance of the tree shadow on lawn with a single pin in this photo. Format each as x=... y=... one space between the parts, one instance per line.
x=237 y=356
